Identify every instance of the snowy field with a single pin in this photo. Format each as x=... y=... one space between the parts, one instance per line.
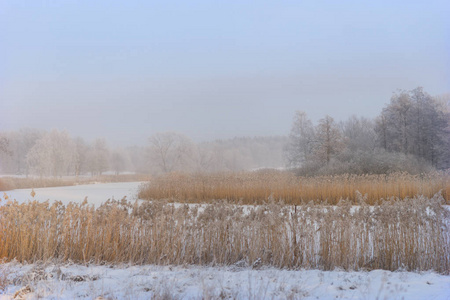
x=147 y=282
x=71 y=281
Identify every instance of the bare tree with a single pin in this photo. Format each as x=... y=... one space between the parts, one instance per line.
x=203 y=159
x=4 y=145
x=80 y=159
x=398 y=117
x=170 y=151
x=300 y=147
x=98 y=157
x=381 y=129
x=415 y=123
x=119 y=161
x=329 y=140
x=20 y=143
x=359 y=134
x=53 y=154
x=138 y=156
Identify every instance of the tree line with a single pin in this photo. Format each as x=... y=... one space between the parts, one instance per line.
x=34 y=152
x=55 y=153
x=412 y=133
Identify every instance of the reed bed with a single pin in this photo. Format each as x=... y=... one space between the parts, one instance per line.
x=257 y=187
x=11 y=183
x=411 y=234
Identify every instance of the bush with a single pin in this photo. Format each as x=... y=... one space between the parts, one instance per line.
x=367 y=162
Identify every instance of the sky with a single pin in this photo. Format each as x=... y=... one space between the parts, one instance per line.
x=125 y=70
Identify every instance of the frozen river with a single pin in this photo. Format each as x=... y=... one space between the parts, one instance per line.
x=95 y=193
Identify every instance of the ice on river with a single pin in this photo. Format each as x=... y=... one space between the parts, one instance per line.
x=95 y=193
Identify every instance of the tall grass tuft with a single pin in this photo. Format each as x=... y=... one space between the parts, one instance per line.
x=411 y=234
x=257 y=187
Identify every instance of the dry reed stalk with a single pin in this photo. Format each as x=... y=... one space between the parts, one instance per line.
x=410 y=234
x=257 y=187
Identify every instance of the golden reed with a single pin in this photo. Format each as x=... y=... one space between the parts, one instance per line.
x=258 y=187
x=396 y=234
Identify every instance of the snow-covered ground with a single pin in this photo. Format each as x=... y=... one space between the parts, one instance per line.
x=70 y=281
x=233 y=282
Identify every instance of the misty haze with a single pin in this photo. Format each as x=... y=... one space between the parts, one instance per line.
x=208 y=150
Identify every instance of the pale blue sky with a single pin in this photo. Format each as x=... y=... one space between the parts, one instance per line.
x=212 y=69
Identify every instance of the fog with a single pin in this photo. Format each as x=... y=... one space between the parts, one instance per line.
x=129 y=112
x=125 y=71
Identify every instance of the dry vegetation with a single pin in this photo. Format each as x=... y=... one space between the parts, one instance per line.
x=257 y=187
x=11 y=183
x=396 y=234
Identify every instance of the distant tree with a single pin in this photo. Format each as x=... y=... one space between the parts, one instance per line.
x=98 y=157
x=441 y=138
x=241 y=153
x=39 y=159
x=415 y=123
x=203 y=159
x=20 y=143
x=119 y=161
x=53 y=154
x=398 y=115
x=80 y=159
x=5 y=154
x=170 y=151
x=329 y=140
x=235 y=159
x=4 y=145
x=381 y=130
x=138 y=157
x=302 y=139
x=358 y=134
x=209 y=157
x=446 y=157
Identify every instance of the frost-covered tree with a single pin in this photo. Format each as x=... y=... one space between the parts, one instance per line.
x=382 y=131
x=398 y=118
x=236 y=159
x=203 y=159
x=243 y=153
x=358 y=134
x=52 y=155
x=119 y=161
x=5 y=154
x=446 y=157
x=301 y=144
x=170 y=151
x=98 y=157
x=80 y=159
x=329 y=140
x=39 y=159
x=19 y=144
x=415 y=123
x=4 y=144
x=138 y=156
